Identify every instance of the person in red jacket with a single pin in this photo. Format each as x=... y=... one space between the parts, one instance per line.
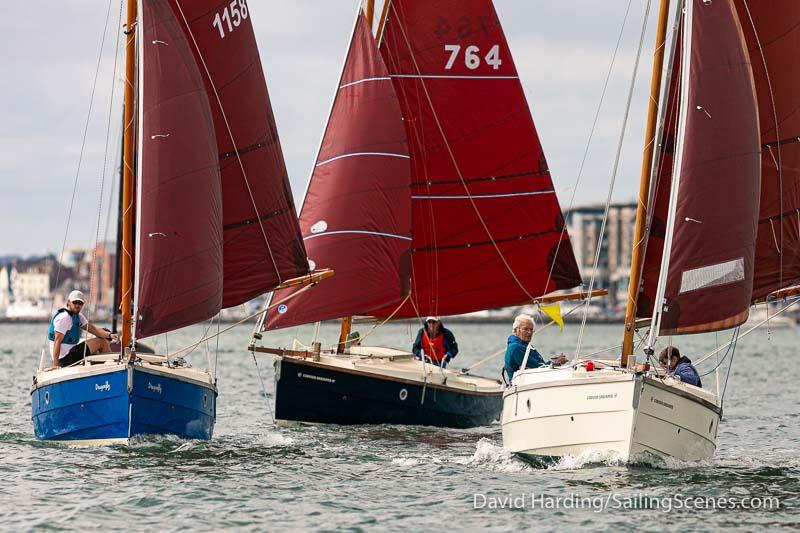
x=435 y=341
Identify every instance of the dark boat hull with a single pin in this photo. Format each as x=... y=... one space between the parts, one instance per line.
x=308 y=392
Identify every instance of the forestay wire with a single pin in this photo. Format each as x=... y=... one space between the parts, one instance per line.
x=614 y=174
x=589 y=140
x=82 y=150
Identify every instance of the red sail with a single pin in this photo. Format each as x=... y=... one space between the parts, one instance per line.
x=709 y=280
x=772 y=31
x=356 y=217
x=262 y=240
x=661 y=184
x=179 y=264
x=486 y=223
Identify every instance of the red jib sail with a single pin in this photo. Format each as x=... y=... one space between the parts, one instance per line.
x=716 y=186
x=356 y=217
x=486 y=223
x=262 y=240
x=179 y=264
x=475 y=195
x=772 y=31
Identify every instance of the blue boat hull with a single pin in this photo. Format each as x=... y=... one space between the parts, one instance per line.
x=122 y=403
x=305 y=392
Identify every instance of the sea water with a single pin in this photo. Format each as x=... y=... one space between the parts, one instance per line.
x=255 y=476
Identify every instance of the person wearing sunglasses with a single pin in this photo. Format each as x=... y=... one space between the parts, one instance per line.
x=435 y=342
x=66 y=346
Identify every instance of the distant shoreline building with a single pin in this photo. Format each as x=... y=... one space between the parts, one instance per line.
x=613 y=268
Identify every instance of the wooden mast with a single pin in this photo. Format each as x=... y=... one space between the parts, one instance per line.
x=637 y=254
x=126 y=256
x=370 y=12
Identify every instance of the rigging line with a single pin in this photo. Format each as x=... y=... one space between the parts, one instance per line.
x=80 y=156
x=372 y=330
x=432 y=269
x=666 y=122
x=242 y=321
x=130 y=166
x=233 y=142
x=614 y=174
x=779 y=168
x=720 y=361
x=495 y=354
x=94 y=270
x=216 y=353
x=457 y=167
x=422 y=356
x=589 y=141
x=263 y=387
x=746 y=333
x=730 y=366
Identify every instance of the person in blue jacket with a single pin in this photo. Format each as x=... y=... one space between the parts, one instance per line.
x=522 y=332
x=680 y=366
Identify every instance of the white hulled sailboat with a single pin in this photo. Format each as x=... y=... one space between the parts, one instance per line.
x=717 y=230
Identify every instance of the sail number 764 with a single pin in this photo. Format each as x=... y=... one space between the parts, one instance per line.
x=472 y=59
x=231 y=17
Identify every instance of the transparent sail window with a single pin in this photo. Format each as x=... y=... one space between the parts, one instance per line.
x=712 y=275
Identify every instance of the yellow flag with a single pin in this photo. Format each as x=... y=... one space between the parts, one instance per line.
x=554 y=312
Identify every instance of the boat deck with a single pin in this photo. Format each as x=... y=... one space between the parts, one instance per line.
x=401 y=365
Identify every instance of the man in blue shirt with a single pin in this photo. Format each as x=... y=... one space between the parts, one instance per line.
x=517 y=345
x=681 y=366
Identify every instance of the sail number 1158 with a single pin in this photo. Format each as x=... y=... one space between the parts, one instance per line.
x=231 y=17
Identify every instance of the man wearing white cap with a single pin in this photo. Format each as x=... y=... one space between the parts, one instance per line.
x=435 y=341
x=65 y=334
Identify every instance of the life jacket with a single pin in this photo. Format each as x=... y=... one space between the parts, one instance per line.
x=73 y=335
x=433 y=348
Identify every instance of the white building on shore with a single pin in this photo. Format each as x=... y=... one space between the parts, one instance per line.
x=613 y=268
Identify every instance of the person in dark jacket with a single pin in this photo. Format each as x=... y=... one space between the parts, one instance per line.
x=522 y=330
x=436 y=342
x=680 y=366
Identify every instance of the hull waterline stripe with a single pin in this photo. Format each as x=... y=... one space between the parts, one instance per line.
x=386 y=78
x=343 y=232
x=480 y=196
x=355 y=154
x=452 y=77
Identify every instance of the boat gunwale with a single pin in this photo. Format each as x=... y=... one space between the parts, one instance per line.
x=374 y=375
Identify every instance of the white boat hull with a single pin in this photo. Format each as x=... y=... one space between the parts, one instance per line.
x=609 y=414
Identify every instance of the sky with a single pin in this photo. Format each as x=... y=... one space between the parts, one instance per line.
x=50 y=51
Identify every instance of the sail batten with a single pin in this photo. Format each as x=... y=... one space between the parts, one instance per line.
x=710 y=235
x=262 y=242
x=356 y=216
x=484 y=206
x=481 y=224
x=772 y=33
x=216 y=223
x=179 y=251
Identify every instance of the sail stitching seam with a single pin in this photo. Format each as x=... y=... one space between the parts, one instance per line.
x=455 y=163
x=233 y=141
